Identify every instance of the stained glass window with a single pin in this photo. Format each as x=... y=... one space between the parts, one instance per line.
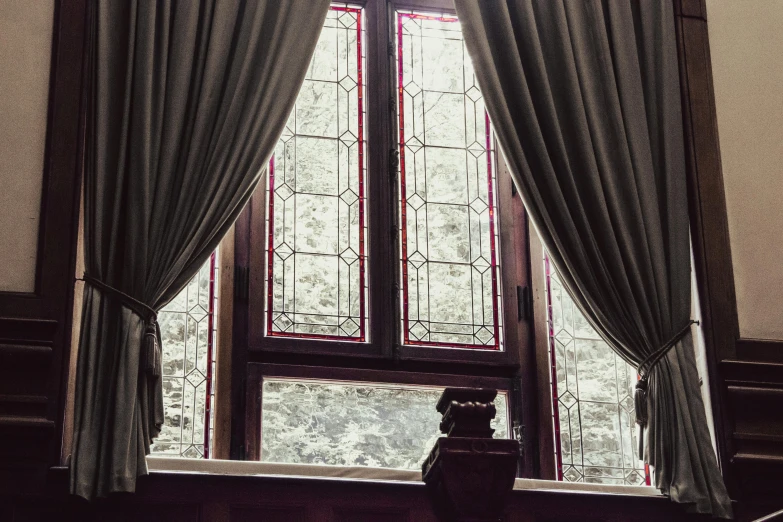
x=187 y=328
x=448 y=229
x=316 y=250
x=594 y=420
x=354 y=424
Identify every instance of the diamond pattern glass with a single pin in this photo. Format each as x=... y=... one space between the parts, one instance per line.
x=448 y=230
x=592 y=389
x=316 y=260
x=342 y=423
x=187 y=329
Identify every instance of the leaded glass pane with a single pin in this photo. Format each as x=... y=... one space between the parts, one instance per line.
x=449 y=255
x=315 y=213
x=594 y=420
x=354 y=424
x=187 y=329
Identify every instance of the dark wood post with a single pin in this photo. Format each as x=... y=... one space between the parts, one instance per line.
x=468 y=473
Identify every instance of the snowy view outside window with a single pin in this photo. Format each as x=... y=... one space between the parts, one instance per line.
x=354 y=424
x=595 y=424
x=187 y=330
x=449 y=254
x=315 y=211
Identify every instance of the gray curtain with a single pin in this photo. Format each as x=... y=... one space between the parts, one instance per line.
x=187 y=101
x=584 y=97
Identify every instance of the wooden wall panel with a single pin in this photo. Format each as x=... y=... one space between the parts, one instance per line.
x=185 y=497
x=269 y=514
x=755 y=402
x=376 y=515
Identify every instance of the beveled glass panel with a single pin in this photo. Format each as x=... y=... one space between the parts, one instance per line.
x=354 y=424
x=449 y=243
x=316 y=256
x=595 y=427
x=187 y=329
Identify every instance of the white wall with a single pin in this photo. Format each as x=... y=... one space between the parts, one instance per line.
x=25 y=61
x=746 y=43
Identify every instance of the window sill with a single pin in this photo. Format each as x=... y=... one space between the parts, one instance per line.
x=269 y=469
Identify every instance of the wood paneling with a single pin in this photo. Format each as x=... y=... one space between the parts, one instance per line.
x=183 y=497
x=376 y=515
x=35 y=328
x=764 y=350
x=268 y=514
x=755 y=401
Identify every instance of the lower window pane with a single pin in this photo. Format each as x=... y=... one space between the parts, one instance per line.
x=354 y=424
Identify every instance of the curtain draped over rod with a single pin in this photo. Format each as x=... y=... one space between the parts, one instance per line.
x=186 y=103
x=584 y=97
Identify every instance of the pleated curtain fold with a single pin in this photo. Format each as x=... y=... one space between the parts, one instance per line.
x=186 y=103
x=584 y=98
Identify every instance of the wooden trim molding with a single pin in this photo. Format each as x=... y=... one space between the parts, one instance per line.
x=707 y=208
x=221 y=442
x=766 y=350
x=547 y=465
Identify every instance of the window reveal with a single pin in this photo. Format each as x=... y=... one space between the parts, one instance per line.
x=449 y=256
x=316 y=259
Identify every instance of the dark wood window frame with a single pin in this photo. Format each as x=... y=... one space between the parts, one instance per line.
x=383 y=357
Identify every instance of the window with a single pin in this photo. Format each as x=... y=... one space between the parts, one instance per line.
x=594 y=416
x=316 y=259
x=187 y=329
x=386 y=256
x=450 y=291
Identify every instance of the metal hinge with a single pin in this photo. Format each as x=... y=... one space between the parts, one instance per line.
x=513 y=188
x=390 y=48
x=524 y=303
x=518 y=432
x=394 y=161
x=241 y=282
x=392 y=105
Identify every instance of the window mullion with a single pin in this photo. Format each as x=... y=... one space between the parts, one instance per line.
x=381 y=179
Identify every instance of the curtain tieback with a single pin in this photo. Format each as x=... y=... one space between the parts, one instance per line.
x=644 y=369
x=646 y=366
x=150 y=345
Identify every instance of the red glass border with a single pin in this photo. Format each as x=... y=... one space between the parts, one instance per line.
x=210 y=353
x=404 y=212
x=553 y=371
x=361 y=254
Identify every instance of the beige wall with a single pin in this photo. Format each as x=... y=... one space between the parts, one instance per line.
x=25 y=61
x=746 y=42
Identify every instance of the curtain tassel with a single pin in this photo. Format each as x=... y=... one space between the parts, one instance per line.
x=152 y=354
x=640 y=401
x=640 y=407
